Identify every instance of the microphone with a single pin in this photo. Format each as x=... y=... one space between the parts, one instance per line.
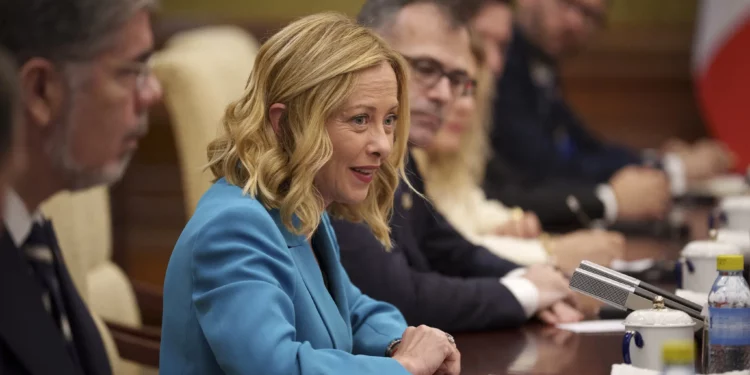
x=643 y=288
x=618 y=295
x=613 y=293
x=575 y=207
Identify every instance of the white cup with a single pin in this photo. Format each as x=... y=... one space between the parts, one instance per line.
x=698 y=264
x=740 y=238
x=736 y=212
x=646 y=331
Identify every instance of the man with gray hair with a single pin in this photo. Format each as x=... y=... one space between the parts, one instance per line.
x=85 y=90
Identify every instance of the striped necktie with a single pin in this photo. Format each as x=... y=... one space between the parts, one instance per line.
x=40 y=253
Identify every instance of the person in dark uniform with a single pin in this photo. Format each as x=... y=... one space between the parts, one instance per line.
x=85 y=89
x=560 y=203
x=538 y=135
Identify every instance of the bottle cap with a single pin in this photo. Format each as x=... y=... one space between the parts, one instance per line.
x=730 y=263
x=678 y=352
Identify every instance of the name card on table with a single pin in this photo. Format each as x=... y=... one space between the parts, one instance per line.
x=594 y=326
x=630 y=370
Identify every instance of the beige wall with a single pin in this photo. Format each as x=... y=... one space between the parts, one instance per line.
x=257 y=9
x=654 y=12
x=623 y=11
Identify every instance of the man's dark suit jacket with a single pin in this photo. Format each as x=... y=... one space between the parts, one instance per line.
x=547 y=199
x=30 y=342
x=537 y=132
x=432 y=274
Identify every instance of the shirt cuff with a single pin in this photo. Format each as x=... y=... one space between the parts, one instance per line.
x=518 y=272
x=607 y=196
x=524 y=291
x=517 y=250
x=675 y=169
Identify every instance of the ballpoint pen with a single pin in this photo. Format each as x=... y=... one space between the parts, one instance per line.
x=575 y=207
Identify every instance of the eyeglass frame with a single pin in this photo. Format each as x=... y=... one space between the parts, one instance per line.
x=469 y=84
x=140 y=69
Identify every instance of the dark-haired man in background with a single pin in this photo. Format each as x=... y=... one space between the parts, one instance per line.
x=85 y=91
x=556 y=200
x=537 y=133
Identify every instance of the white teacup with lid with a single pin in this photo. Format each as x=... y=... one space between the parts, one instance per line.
x=698 y=263
x=735 y=212
x=741 y=238
x=646 y=331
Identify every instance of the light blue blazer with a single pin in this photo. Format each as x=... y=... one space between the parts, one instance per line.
x=243 y=295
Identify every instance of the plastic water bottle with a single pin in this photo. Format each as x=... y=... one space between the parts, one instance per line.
x=678 y=358
x=729 y=317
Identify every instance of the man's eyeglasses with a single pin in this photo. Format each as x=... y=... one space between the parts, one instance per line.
x=428 y=72
x=471 y=88
x=140 y=70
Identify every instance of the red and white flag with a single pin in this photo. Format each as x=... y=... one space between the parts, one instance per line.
x=721 y=69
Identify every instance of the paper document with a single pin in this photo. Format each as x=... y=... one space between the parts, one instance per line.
x=695 y=297
x=621 y=369
x=720 y=186
x=594 y=326
x=632 y=266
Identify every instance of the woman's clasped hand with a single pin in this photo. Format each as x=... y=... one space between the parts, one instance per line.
x=426 y=351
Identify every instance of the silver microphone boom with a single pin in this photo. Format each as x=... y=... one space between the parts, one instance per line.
x=642 y=288
x=617 y=294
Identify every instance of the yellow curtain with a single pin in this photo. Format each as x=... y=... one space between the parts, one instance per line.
x=653 y=12
x=640 y=12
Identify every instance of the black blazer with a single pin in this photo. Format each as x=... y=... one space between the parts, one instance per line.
x=546 y=198
x=538 y=133
x=30 y=342
x=432 y=274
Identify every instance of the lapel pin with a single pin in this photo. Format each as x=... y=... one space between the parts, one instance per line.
x=406 y=201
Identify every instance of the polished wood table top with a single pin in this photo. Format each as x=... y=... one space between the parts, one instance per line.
x=534 y=349
x=542 y=350
x=538 y=350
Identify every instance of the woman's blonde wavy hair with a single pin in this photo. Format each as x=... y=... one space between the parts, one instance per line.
x=451 y=172
x=311 y=66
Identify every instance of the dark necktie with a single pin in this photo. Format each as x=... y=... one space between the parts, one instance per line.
x=546 y=84
x=39 y=251
x=552 y=109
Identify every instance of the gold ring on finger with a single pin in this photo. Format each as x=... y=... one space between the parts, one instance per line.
x=516 y=214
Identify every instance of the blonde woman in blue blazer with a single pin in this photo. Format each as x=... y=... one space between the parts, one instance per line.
x=255 y=284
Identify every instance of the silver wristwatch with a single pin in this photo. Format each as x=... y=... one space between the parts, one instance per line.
x=391 y=348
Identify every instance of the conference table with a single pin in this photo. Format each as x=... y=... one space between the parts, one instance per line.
x=536 y=349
